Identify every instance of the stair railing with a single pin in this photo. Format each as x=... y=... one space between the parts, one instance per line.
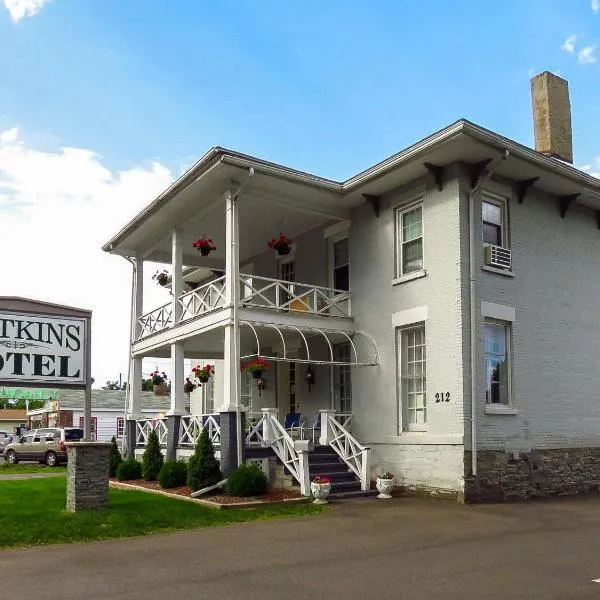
x=292 y=453
x=354 y=454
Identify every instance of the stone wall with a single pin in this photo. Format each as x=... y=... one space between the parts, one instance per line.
x=87 y=475
x=540 y=473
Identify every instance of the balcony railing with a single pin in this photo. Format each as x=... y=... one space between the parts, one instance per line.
x=255 y=292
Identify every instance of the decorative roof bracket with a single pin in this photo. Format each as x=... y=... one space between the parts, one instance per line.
x=564 y=202
x=374 y=201
x=438 y=174
x=523 y=188
x=477 y=170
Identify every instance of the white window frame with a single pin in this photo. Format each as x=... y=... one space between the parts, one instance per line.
x=342 y=375
x=399 y=213
x=332 y=241
x=508 y=326
x=502 y=203
x=120 y=426
x=404 y=378
x=208 y=396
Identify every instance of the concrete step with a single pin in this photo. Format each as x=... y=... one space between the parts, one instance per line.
x=352 y=494
x=319 y=468
x=336 y=476
x=344 y=486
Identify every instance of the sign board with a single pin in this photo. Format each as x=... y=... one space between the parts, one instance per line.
x=16 y=393
x=43 y=349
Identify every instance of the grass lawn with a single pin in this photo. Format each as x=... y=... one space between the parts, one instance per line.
x=7 y=469
x=33 y=513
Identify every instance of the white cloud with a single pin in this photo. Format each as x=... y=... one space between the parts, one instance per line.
x=587 y=56
x=595 y=5
x=56 y=210
x=24 y=8
x=594 y=168
x=569 y=45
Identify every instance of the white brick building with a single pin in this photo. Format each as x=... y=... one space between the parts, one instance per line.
x=466 y=254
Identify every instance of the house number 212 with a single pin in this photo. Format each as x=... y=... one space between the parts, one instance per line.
x=442 y=397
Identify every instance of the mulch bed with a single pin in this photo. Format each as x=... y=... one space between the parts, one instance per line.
x=272 y=495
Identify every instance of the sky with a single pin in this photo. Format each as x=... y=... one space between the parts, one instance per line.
x=104 y=104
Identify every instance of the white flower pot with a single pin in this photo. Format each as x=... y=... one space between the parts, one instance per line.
x=385 y=487
x=320 y=491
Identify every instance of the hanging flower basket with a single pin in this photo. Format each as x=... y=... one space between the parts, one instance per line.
x=202 y=374
x=189 y=386
x=257 y=367
x=161 y=277
x=204 y=245
x=282 y=245
x=159 y=380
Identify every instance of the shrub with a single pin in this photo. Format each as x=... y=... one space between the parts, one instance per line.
x=203 y=468
x=152 y=459
x=247 y=480
x=115 y=456
x=129 y=469
x=172 y=474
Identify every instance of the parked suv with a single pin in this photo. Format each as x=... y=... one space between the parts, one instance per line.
x=45 y=445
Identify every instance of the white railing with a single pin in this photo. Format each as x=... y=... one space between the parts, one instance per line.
x=345 y=420
x=191 y=427
x=276 y=294
x=294 y=460
x=156 y=320
x=356 y=456
x=203 y=300
x=145 y=426
x=254 y=429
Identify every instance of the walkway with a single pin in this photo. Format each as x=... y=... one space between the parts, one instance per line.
x=13 y=476
x=401 y=549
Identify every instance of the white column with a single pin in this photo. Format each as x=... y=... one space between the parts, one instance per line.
x=134 y=404
x=231 y=362
x=177 y=353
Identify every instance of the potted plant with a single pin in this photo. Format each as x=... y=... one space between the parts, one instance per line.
x=204 y=245
x=385 y=484
x=161 y=277
x=159 y=380
x=189 y=386
x=320 y=487
x=256 y=367
x=282 y=244
x=202 y=374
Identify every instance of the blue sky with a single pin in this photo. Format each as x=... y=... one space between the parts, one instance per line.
x=103 y=103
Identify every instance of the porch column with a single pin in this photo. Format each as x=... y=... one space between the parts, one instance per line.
x=326 y=433
x=176 y=273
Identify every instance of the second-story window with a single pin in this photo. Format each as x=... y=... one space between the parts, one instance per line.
x=341 y=265
x=493 y=222
x=409 y=240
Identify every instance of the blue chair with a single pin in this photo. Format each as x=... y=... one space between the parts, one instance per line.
x=293 y=425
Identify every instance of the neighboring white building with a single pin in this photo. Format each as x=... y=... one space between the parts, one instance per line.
x=445 y=300
x=108 y=411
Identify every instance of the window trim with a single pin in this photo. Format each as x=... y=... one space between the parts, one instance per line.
x=502 y=203
x=508 y=325
x=403 y=420
x=399 y=211
x=122 y=421
x=331 y=242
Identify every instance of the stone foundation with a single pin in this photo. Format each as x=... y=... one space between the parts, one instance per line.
x=87 y=475
x=539 y=473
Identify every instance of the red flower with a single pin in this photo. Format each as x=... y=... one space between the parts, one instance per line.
x=204 y=242
x=321 y=479
x=258 y=364
x=281 y=242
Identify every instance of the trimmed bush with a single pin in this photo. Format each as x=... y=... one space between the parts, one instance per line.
x=152 y=459
x=129 y=469
x=115 y=456
x=247 y=480
x=173 y=474
x=203 y=468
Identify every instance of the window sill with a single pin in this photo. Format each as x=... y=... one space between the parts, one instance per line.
x=409 y=277
x=500 y=409
x=498 y=271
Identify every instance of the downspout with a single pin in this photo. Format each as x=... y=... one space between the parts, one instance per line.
x=482 y=179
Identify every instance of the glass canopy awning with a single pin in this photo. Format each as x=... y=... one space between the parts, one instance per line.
x=309 y=345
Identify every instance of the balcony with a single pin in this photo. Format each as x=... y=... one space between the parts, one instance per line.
x=256 y=292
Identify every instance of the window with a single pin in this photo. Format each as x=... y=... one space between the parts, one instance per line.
x=341 y=265
x=246 y=391
x=493 y=219
x=208 y=396
x=409 y=235
x=120 y=426
x=413 y=377
x=342 y=384
x=497 y=362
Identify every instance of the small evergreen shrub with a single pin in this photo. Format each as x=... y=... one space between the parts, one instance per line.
x=129 y=469
x=152 y=459
x=172 y=474
x=247 y=480
x=203 y=468
x=115 y=456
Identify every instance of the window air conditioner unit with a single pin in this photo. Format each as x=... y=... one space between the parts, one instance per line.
x=498 y=257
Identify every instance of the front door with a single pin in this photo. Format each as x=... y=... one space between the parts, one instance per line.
x=288 y=398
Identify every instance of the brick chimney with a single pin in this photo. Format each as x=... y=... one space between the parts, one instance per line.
x=552 y=116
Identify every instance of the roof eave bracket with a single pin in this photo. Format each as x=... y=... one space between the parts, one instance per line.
x=564 y=202
x=374 y=201
x=523 y=188
x=477 y=170
x=438 y=174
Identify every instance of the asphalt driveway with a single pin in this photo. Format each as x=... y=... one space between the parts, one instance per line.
x=401 y=549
